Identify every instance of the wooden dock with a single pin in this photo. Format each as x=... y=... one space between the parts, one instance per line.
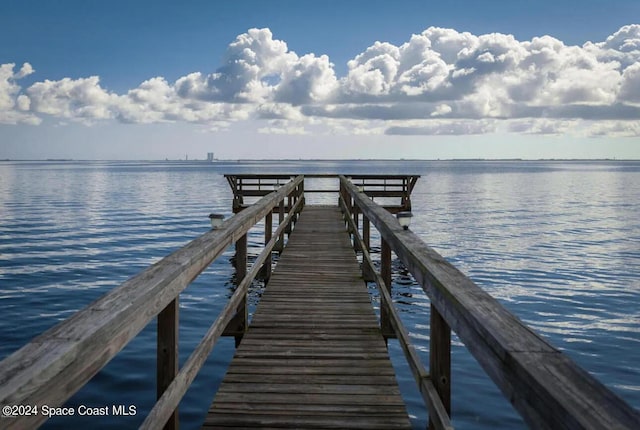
x=313 y=356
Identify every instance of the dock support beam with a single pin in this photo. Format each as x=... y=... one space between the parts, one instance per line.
x=238 y=324
x=268 y=232
x=280 y=244
x=367 y=273
x=385 y=273
x=167 y=359
x=356 y=245
x=440 y=359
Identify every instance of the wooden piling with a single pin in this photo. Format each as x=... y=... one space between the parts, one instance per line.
x=440 y=359
x=385 y=272
x=167 y=361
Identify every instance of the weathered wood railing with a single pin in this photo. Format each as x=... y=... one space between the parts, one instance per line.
x=56 y=364
x=545 y=386
x=246 y=186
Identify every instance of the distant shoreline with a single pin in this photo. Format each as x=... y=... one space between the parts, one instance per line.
x=298 y=160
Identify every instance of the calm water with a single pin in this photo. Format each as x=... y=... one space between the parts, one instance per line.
x=558 y=243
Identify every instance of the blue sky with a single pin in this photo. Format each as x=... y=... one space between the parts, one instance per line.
x=258 y=79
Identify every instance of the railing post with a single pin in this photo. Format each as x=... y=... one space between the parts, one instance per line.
x=280 y=244
x=239 y=322
x=342 y=193
x=167 y=354
x=440 y=359
x=289 y=204
x=268 y=231
x=356 y=245
x=299 y=196
x=385 y=273
x=241 y=271
x=366 y=233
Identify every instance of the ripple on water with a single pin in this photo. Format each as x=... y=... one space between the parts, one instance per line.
x=558 y=244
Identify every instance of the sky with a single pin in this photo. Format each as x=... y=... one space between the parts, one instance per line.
x=319 y=79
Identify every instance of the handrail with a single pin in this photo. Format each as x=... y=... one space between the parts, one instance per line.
x=56 y=364
x=437 y=411
x=386 y=187
x=545 y=386
x=172 y=396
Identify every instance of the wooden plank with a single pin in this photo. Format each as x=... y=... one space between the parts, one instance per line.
x=224 y=395
x=330 y=363
x=313 y=355
x=297 y=408
x=304 y=387
x=299 y=421
x=268 y=232
x=323 y=378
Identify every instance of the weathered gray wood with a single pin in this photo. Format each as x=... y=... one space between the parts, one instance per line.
x=238 y=324
x=367 y=271
x=161 y=411
x=525 y=367
x=268 y=227
x=440 y=360
x=241 y=258
x=385 y=272
x=375 y=186
x=301 y=421
x=439 y=416
x=280 y=244
x=54 y=365
x=167 y=362
x=178 y=387
x=313 y=354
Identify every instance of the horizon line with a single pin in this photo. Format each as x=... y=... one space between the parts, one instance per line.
x=203 y=160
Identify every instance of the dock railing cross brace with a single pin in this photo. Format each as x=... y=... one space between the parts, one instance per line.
x=546 y=387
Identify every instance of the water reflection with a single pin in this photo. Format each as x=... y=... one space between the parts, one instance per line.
x=557 y=243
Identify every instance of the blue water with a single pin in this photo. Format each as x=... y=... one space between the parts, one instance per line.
x=557 y=243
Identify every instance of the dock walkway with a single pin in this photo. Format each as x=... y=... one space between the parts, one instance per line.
x=313 y=355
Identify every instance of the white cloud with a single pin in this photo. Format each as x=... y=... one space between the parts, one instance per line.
x=13 y=105
x=23 y=102
x=82 y=99
x=441 y=110
x=309 y=79
x=373 y=72
x=279 y=111
x=283 y=126
x=613 y=129
x=630 y=85
x=543 y=126
x=8 y=88
x=445 y=81
x=251 y=62
x=25 y=70
x=622 y=46
x=444 y=128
